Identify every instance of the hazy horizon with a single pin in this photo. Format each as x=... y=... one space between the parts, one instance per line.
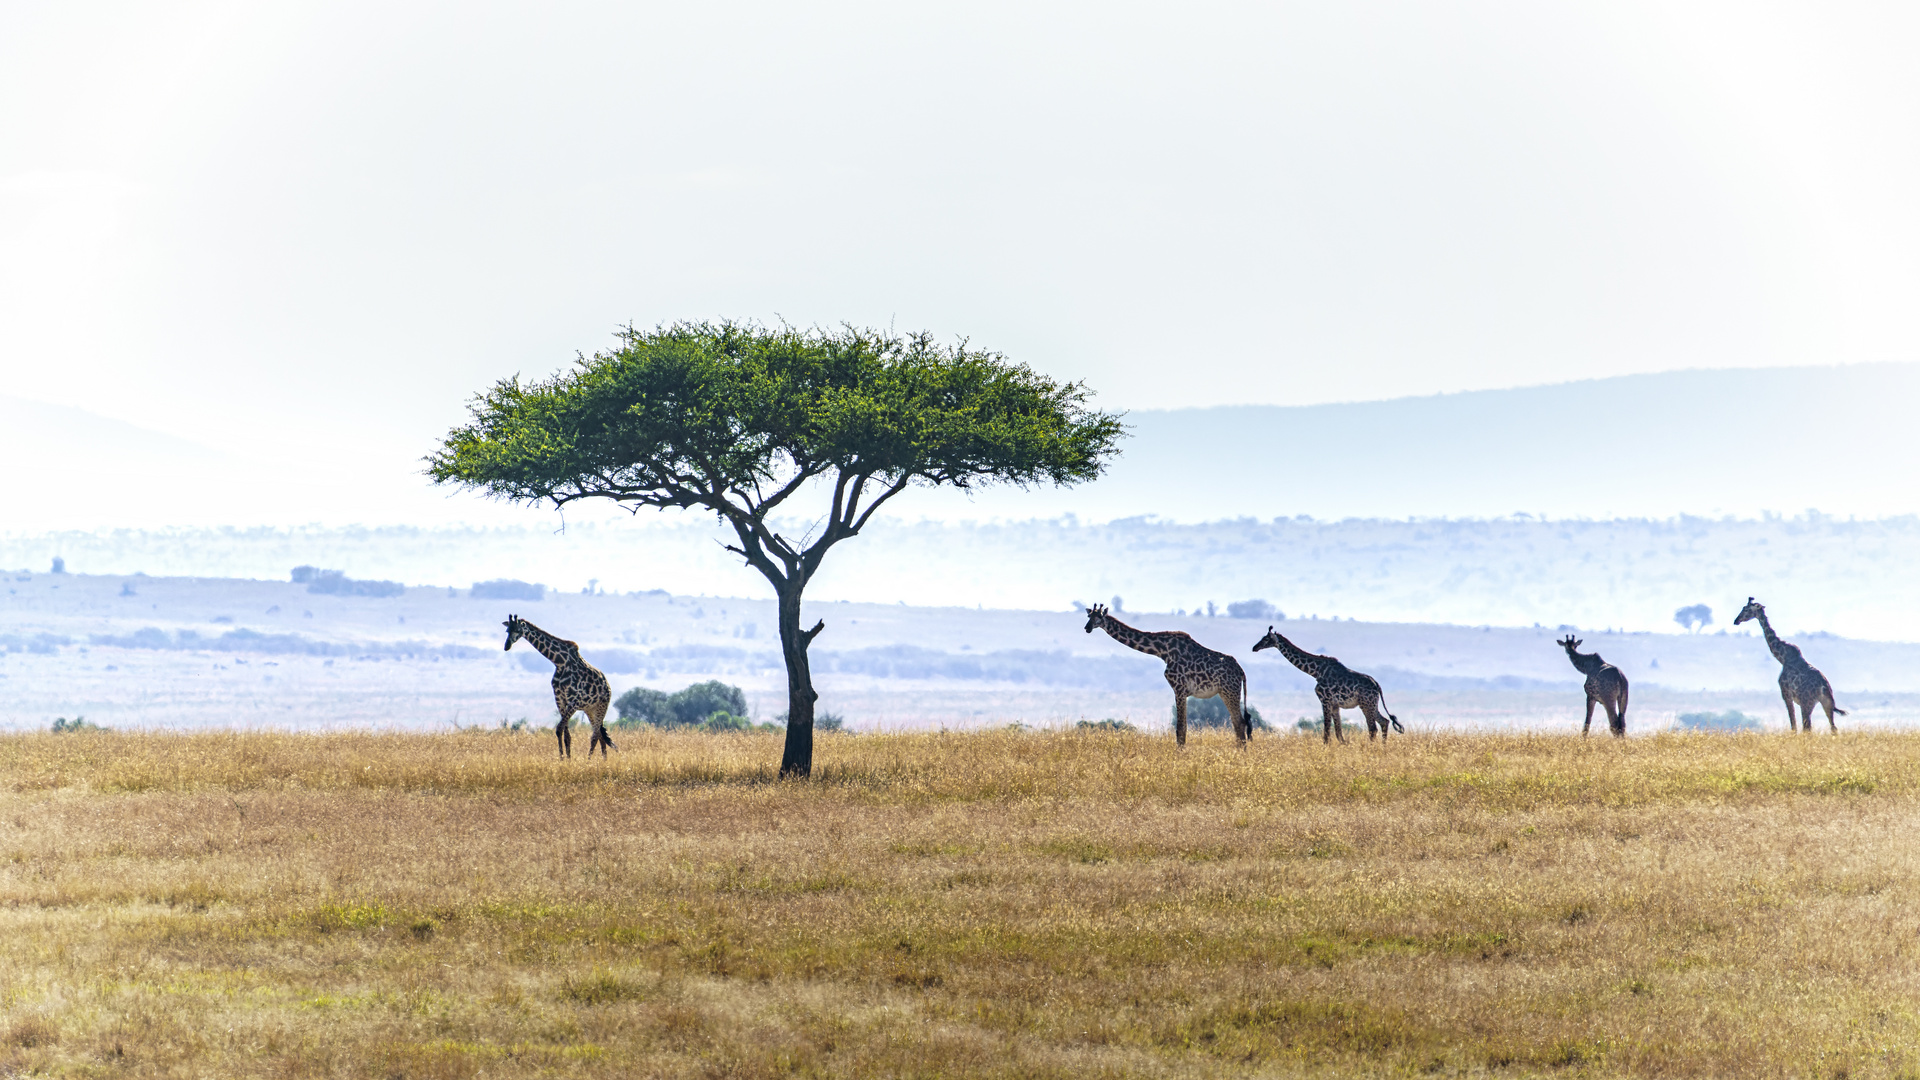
x=328 y=225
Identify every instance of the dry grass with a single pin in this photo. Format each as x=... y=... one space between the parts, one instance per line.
x=992 y=904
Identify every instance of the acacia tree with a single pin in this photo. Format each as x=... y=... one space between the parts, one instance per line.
x=736 y=419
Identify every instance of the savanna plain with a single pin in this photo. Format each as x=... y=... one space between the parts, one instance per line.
x=993 y=903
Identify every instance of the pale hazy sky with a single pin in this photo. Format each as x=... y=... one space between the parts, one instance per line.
x=297 y=228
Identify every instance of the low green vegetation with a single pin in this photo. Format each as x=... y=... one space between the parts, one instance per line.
x=708 y=706
x=1212 y=713
x=1731 y=720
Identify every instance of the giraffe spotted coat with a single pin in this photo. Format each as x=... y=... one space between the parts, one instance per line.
x=1606 y=685
x=1338 y=687
x=577 y=685
x=1193 y=670
x=1800 y=682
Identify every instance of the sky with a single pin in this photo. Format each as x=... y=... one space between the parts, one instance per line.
x=305 y=234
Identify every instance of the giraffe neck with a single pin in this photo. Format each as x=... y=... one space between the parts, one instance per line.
x=1135 y=639
x=558 y=650
x=1781 y=651
x=1586 y=663
x=1313 y=665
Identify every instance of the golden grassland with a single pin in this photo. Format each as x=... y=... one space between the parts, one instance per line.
x=985 y=904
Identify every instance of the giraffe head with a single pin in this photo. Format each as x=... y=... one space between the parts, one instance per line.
x=1271 y=641
x=1570 y=644
x=516 y=629
x=1097 y=617
x=1753 y=610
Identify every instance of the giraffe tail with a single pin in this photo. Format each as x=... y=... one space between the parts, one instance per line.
x=1390 y=716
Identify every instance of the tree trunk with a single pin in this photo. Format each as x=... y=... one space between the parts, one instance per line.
x=796 y=761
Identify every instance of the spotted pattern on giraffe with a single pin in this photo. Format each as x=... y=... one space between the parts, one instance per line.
x=1193 y=670
x=577 y=685
x=1606 y=686
x=1800 y=682
x=1338 y=687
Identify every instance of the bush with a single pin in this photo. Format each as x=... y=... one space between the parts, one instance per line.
x=1730 y=721
x=1694 y=617
x=1253 y=609
x=1212 y=713
x=822 y=721
x=507 y=589
x=78 y=723
x=337 y=583
x=693 y=705
x=641 y=705
x=725 y=721
x=1104 y=725
x=696 y=706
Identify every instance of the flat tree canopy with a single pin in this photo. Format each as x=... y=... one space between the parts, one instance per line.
x=735 y=419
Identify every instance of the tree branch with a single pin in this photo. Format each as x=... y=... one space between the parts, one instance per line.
x=898 y=487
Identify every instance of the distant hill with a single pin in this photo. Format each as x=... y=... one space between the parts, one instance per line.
x=1781 y=440
x=1857 y=578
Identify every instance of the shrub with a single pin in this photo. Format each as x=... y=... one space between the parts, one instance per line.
x=1104 y=725
x=508 y=589
x=725 y=721
x=1212 y=713
x=38 y=643
x=641 y=705
x=693 y=705
x=822 y=721
x=1729 y=721
x=696 y=706
x=1694 y=617
x=337 y=583
x=78 y=723
x=1253 y=609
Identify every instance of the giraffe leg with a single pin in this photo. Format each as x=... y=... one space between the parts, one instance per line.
x=1331 y=721
x=1371 y=711
x=564 y=736
x=1826 y=702
x=1179 y=718
x=1237 y=712
x=1792 y=723
x=1615 y=723
x=1588 y=726
x=597 y=713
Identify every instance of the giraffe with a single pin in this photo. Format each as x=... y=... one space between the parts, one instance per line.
x=1800 y=682
x=1606 y=684
x=1337 y=686
x=577 y=685
x=1193 y=670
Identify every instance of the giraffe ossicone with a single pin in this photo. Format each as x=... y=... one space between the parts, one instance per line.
x=1606 y=685
x=1193 y=670
x=1338 y=687
x=577 y=685
x=1800 y=682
